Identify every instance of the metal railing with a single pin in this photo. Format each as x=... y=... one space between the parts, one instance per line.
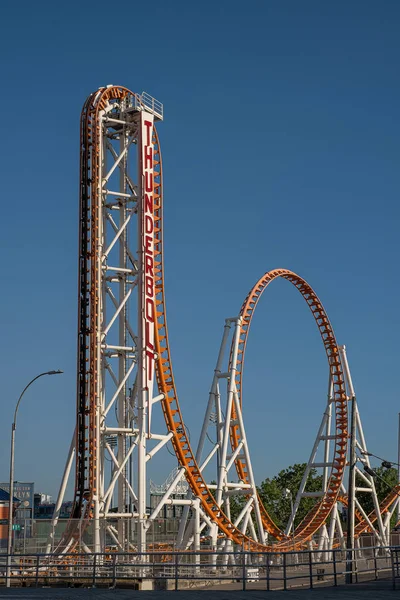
x=155 y=106
x=32 y=535
x=169 y=569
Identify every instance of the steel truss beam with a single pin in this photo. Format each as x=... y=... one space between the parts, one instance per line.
x=330 y=537
x=219 y=413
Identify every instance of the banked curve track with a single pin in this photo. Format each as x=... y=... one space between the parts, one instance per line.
x=176 y=425
x=88 y=367
x=317 y=516
x=321 y=510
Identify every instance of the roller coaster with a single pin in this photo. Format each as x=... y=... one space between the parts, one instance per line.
x=124 y=373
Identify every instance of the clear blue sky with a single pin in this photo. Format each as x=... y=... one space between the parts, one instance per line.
x=281 y=149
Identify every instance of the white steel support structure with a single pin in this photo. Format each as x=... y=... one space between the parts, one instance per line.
x=320 y=459
x=119 y=347
x=223 y=415
x=114 y=441
x=61 y=493
x=114 y=428
x=123 y=352
x=368 y=484
x=324 y=437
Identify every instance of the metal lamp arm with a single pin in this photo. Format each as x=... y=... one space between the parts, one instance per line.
x=14 y=425
x=20 y=398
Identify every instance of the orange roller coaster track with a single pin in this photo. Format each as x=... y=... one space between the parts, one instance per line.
x=320 y=512
x=113 y=122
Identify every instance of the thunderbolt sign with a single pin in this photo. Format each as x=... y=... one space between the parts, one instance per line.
x=149 y=313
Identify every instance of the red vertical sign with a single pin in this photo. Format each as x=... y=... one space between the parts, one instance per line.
x=147 y=243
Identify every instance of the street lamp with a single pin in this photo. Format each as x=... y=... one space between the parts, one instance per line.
x=11 y=487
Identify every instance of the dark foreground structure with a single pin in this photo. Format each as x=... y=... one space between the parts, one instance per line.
x=225 y=573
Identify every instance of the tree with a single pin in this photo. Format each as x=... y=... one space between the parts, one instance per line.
x=385 y=480
x=275 y=500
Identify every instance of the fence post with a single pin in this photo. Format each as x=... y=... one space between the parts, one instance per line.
x=176 y=571
x=243 y=570
x=334 y=566
x=356 y=564
x=94 y=570
x=284 y=571
x=37 y=571
x=114 y=570
x=267 y=570
x=393 y=571
x=375 y=565
x=310 y=568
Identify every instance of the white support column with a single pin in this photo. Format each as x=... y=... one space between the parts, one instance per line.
x=214 y=392
x=100 y=317
x=363 y=447
x=325 y=425
x=122 y=337
x=116 y=390
x=228 y=411
x=341 y=535
x=147 y=312
x=197 y=526
x=328 y=429
x=360 y=443
x=167 y=494
x=249 y=466
x=332 y=526
x=226 y=369
x=386 y=525
x=61 y=494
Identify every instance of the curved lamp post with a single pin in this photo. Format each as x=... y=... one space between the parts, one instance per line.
x=11 y=488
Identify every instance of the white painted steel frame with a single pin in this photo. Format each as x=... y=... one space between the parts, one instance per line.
x=326 y=433
x=219 y=414
x=124 y=389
